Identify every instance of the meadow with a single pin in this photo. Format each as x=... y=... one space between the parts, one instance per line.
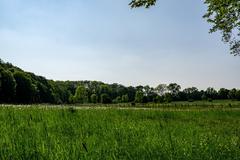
x=63 y=132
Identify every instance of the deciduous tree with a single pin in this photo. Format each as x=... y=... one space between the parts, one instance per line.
x=7 y=86
x=224 y=15
x=25 y=89
x=80 y=95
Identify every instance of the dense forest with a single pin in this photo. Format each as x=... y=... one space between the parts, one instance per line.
x=18 y=86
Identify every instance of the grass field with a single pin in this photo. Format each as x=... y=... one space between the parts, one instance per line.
x=47 y=132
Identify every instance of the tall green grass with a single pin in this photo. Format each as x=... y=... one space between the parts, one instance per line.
x=44 y=133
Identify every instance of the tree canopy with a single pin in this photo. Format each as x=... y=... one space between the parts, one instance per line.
x=18 y=86
x=223 y=15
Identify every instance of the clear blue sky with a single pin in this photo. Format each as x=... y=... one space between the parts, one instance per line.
x=105 y=40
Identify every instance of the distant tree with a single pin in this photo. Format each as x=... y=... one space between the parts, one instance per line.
x=238 y=95
x=168 y=97
x=145 y=99
x=204 y=96
x=45 y=93
x=81 y=95
x=104 y=88
x=131 y=93
x=232 y=93
x=60 y=92
x=25 y=89
x=158 y=99
x=174 y=88
x=223 y=93
x=224 y=15
x=117 y=90
x=139 y=88
x=161 y=89
x=151 y=96
x=118 y=99
x=211 y=93
x=192 y=93
x=147 y=90
x=125 y=98
x=105 y=98
x=94 y=98
x=139 y=96
x=7 y=86
x=71 y=99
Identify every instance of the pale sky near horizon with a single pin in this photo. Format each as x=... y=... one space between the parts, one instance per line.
x=107 y=41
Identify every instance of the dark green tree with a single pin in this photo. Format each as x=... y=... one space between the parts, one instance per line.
x=105 y=98
x=192 y=93
x=125 y=98
x=93 y=98
x=161 y=89
x=211 y=93
x=25 y=89
x=174 y=88
x=139 y=96
x=168 y=97
x=7 y=86
x=223 y=93
x=238 y=95
x=81 y=95
x=45 y=93
x=60 y=92
x=131 y=93
x=118 y=99
x=158 y=99
x=232 y=93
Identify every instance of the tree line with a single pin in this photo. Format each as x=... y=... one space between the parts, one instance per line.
x=18 y=86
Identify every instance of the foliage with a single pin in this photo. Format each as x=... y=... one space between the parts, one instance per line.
x=224 y=15
x=140 y=3
x=125 y=98
x=174 y=89
x=238 y=95
x=117 y=100
x=93 y=98
x=232 y=93
x=25 y=89
x=139 y=96
x=161 y=89
x=80 y=95
x=211 y=93
x=168 y=97
x=223 y=93
x=7 y=86
x=105 y=99
x=18 y=86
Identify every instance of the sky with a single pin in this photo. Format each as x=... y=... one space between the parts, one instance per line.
x=108 y=41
